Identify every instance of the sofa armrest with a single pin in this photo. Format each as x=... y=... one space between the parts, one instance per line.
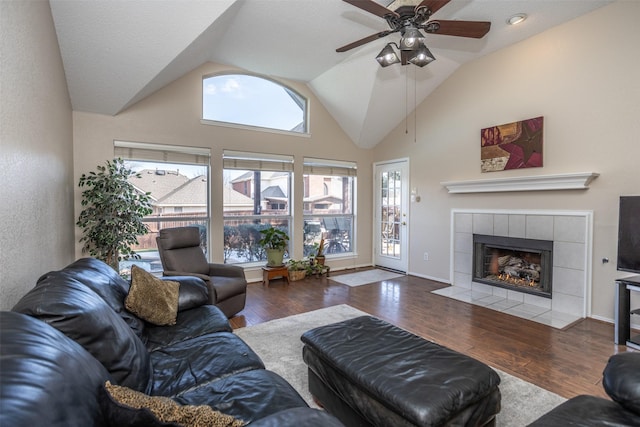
x=621 y=380
x=172 y=273
x=226 y=270
x=298 y=417
x=193 y=291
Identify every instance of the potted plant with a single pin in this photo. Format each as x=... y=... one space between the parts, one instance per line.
x=274 y=241
x=111 y=220
x=298 y=269
x=320 y=254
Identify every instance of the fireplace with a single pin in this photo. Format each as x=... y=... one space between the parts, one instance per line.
x=524 y=265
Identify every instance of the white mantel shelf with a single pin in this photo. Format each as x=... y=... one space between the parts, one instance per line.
x=565 y=181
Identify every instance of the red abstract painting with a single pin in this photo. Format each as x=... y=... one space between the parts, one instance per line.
x=514 y=145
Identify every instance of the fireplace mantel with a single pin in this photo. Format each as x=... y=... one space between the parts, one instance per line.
x=566 y=181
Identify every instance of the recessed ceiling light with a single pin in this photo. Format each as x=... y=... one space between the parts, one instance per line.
x=517 y=18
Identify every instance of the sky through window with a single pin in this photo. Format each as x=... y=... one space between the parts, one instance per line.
x=254 y=101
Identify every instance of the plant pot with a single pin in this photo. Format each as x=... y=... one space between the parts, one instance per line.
x=274 y=257
x=296 y=275
x=320 y=259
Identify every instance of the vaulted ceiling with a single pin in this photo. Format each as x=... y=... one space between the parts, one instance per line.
x=116 y=53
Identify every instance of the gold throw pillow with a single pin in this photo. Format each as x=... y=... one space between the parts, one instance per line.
x=152 y=299
x=168 y=411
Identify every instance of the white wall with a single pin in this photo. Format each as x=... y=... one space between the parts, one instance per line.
x=36 y=169
x=583 y=77
x=172 y=116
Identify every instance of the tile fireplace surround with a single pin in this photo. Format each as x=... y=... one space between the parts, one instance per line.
x=571 y=233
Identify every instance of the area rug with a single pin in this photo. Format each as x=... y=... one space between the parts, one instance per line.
x=365 y=277
x=278 y=344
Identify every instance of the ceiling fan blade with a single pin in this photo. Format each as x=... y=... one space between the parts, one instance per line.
x=365 y=40
x=472 y=29
x=372 y=7
x=433 y=5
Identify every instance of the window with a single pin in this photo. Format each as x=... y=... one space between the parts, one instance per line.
x=178 y=180
x=253 y=101
x=256 y=194
x=329 y=195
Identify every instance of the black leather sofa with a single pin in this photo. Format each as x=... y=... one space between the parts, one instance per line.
x=71 y=333
x=621 y=381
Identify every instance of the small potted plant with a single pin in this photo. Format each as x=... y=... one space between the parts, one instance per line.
x=297 y=269
x=274 y=241
x=320 y=254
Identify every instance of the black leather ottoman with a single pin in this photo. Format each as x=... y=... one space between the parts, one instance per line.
x=366 y=371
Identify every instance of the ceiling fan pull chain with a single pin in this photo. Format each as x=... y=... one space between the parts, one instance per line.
x=415 y=107
x=406 y=102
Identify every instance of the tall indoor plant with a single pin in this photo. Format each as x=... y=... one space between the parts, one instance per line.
x=274 y=241
x=111 y=220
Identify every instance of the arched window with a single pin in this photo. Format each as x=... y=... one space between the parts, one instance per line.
x=246 y=100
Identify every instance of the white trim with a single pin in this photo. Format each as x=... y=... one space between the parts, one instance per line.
x=566 y=181
x=424 y=276
x=183 y=149
x=254 y=128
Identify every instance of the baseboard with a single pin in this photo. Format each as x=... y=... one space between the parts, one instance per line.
x=435 y=279
x=602 y=319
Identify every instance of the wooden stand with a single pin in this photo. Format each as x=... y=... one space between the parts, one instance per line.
x=269 y=273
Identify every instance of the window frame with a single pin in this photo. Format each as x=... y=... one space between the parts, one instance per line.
x=173 y=155
x=263 y=162
x=330 y=168
x=306 y=115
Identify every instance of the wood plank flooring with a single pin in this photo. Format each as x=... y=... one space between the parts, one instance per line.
x=568 y=362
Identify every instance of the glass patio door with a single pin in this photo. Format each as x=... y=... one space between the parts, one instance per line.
x=391 y=215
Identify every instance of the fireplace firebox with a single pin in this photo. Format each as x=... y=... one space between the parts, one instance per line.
x=524 y=265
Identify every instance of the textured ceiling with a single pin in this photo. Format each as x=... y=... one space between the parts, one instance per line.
x=116 y=53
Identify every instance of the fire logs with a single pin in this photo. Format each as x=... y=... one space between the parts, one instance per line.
x=518 y=267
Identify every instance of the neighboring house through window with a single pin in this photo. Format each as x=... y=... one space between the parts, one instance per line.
x=256 y=195
x=177 y=179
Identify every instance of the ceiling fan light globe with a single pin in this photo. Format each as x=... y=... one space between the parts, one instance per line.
x=387 y=56
x=411 y=39
x=421 y=57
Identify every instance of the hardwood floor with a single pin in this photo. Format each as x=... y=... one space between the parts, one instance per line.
x=568 y=362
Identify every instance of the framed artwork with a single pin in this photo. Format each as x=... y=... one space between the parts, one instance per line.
x=514 y=145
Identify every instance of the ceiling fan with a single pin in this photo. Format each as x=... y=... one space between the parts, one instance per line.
x=408 y=21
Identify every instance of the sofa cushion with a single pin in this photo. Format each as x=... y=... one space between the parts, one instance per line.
x=106 y=282
x=249 y=396
x=199 y=321
x=46 y=378
x=621 y=380
x=299 y=416
x=82 y=315
x=152 y=299
x=124 y=407
x=189 y=363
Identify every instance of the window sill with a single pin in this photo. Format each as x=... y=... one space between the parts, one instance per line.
x=254 y=128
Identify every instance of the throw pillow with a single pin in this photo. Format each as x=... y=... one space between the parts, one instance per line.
x=123 y=406
x=152 y=299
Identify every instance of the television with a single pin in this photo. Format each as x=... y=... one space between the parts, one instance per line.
x=629 y=234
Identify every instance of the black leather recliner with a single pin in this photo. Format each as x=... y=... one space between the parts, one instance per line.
x=181 y=255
